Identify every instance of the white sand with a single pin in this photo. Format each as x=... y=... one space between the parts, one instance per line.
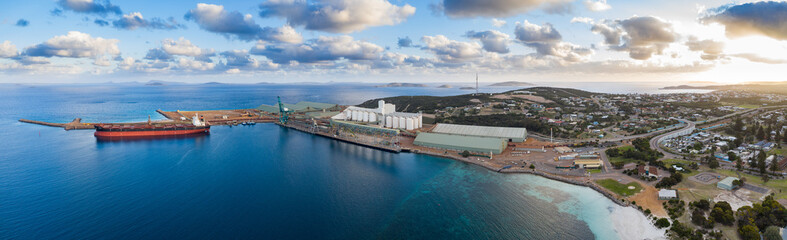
x=630 y=223
x=734 y=202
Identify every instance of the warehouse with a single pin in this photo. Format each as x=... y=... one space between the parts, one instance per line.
x=588 y=163
x=508 y=133
x=460 y=143
x=726 y=183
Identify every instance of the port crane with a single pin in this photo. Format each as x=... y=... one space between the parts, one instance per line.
x=283 y=111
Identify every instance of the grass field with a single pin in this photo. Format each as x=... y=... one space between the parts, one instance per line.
x=779 y=186
x=748 y=106
x=685 y=163
x=593 y=171
x=619 y=188
x=621 y=158
x=778 y=151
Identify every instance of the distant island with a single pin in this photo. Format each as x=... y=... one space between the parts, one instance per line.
x=402 y=85
x=467 y=88
x=445 y=86
x=161 y=83
x=757 y=87
x=511 y=84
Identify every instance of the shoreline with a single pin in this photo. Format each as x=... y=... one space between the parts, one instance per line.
x=620 y=218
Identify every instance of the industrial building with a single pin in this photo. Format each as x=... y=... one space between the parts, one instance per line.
x=726 y=183
x=588 y=163
x=384 y=115
x=508 y=133
x=668 y=194
x=461 y=143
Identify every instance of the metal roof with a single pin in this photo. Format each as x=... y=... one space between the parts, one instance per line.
x=666 y=193
x=482 y=131
x=470 y=143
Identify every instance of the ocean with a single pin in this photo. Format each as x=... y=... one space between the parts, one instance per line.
x=262 y=181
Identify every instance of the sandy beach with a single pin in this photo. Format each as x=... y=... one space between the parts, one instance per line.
x=629 y=223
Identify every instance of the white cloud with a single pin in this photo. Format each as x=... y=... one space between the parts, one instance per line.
x=234 y=24
x=499 y=8
x=585 y=20
x=498 y=22
x=597 y=6
x=337 y=16
x=321 y=49
x=641 y=37
x=451 y=51
x=75 y=45
x=493 y=41
x=135 y=20
x=8 y=50
x=184 y=47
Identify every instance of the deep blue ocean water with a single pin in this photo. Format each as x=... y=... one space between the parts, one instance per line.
x=261 y=182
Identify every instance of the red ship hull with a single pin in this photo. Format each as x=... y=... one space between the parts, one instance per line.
x=109 y=131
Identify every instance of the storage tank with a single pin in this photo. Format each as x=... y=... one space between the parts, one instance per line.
x=366 y=116
x=355 y=115
x=415 y=123
x=395 y=123
x=373 y=117
x=348 y=115
x=420 y=121
x=402 y=122
x=388 y=122
x=410 y=124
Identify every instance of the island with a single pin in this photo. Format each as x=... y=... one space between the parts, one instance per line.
x=402 y=85
x=445 y=86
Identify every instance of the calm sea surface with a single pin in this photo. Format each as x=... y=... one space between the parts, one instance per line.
x=262 y=181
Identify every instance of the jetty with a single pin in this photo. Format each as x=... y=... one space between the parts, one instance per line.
x=76 y=124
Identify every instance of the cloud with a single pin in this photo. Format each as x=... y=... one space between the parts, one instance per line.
x=711 y=50
x=22 y=23
x=585 y=20
x=101 y=8
x=757 y=18
x=8 y=50
x=499 y=8
x=548 y=42
x=498 y=22
x=184 y=47
x=74 y=45
x=214 y=18
x=760 y=59
x=451 y=51
x=597 y=6
x=493 y=41
x=135 y=20
x=321 y=49
x=157 y=54
x=100 y=22
x=406 y=42
x=337 y=16
x=641 y=37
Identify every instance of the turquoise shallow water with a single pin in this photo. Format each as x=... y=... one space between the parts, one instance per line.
x=254 y=182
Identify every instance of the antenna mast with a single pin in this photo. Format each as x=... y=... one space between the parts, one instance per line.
x=476 y=83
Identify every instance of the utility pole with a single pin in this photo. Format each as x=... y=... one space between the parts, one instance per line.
x=551 y=139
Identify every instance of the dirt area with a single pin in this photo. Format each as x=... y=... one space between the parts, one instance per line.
x=649 y=199
x=501 y=96
x=475 y=100
x=537 y=99
x=735 y=201
x=706 y=178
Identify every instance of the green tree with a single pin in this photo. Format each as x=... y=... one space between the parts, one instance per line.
x=774 y=165
x=772 y=233
x=738 y=126
x=465 y=153
x=662 y=223
x=722 y=213
x=749 y=232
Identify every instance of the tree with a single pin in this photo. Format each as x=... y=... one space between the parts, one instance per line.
x=465 y=153
x=761 y=162
x=749 y=232
x=662 y=223
x=772 y=233
x=738 y=126
x=739 y=164
x=774 y=165
x=532 y=166
x=722 y=213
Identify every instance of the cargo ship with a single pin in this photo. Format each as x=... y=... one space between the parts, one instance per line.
x=118 y=130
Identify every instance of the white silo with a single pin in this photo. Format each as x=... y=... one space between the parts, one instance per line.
x=395 y=122
x=355 y=115
x=373 y=117
x=388 y=122
x=420 y=121
x=366 y=116
x=410 y=124
x=348 y=115
x=415 y=122
x=402 y=122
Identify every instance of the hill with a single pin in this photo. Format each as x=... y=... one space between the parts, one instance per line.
x=402 y=85
x=511 y=84
x=757 y=87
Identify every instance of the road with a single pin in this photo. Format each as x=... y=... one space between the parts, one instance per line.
x=654 y=142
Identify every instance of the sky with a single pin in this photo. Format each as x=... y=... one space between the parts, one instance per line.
x=419 y=41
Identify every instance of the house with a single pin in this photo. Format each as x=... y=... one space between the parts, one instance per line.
x=668 y=194
x=649 y=171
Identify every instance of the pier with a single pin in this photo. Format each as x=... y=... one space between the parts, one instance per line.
x=76 y=124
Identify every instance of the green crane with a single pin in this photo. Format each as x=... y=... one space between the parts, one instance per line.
x=283 y=111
